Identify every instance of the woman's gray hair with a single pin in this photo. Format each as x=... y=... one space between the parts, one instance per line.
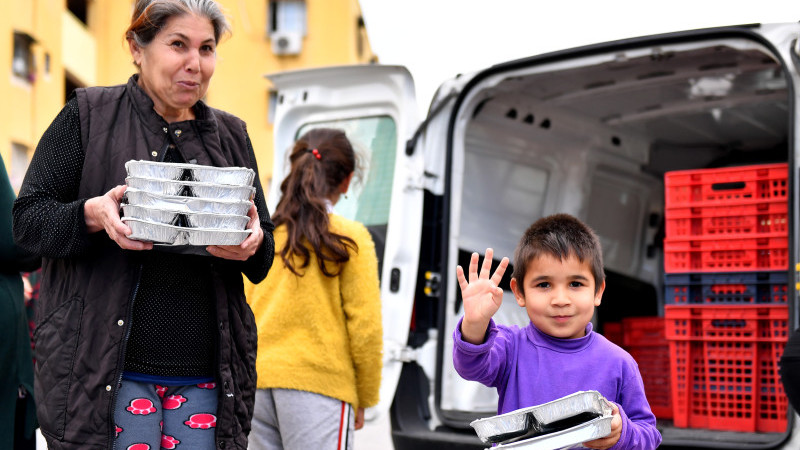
x=150 y=16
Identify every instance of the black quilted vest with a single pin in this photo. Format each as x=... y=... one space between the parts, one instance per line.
x=84 y=306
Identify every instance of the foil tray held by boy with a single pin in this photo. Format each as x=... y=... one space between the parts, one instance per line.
x=561 y=424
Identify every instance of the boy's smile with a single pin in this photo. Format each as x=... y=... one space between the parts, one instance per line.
x=559 y=296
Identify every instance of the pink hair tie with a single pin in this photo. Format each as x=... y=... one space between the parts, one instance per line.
x=316 y=154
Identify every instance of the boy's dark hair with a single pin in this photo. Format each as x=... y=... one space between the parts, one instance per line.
x=560 y=236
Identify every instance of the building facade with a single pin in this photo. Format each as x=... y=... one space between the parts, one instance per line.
x=50 y=47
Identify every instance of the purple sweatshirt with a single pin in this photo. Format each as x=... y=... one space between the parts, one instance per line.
x=529 y=368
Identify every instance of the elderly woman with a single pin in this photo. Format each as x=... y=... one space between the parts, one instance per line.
x=138 y=348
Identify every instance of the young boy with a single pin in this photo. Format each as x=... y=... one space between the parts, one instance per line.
x=558 y=278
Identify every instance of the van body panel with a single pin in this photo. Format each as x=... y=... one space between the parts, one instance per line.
x=589 y=131
x=376 y=107
x=614 y=147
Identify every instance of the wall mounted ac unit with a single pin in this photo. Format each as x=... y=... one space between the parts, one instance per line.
x=286 y=42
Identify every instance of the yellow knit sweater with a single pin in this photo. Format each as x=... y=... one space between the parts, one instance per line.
x=317 y=333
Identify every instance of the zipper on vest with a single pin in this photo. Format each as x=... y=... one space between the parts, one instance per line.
x=112 y=431
x=164 y=150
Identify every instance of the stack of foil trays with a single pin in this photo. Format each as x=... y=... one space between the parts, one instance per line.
x=187 y=204
x=561 y=424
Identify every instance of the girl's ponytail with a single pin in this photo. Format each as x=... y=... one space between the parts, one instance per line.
x=320 y=161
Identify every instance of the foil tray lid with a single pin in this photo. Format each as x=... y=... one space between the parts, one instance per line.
x=236 y=176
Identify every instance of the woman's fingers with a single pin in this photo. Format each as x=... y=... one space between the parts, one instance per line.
x=239 y=252
x=116 y=229
x=117 y=193
x=248 y=247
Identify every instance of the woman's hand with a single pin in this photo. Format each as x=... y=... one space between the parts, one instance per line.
x=102 y=213
x=247 y=248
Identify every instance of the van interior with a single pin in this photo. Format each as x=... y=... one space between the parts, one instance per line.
x=593 y=134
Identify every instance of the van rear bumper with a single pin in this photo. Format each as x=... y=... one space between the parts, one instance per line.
x=411 y=416
x=434 y=440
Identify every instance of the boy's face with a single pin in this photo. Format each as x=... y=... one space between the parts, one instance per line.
x=559 y=295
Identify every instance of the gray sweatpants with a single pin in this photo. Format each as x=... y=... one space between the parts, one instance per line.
x=286 y=419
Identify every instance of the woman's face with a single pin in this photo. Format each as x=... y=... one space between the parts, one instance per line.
x=177 y=64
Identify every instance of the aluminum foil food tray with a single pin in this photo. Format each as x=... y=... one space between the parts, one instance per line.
x=138 y=197
x=236 y=176
x=170 y=234
x=565 y=439
x=191 y=220
x=537 y=419
x=192 y=188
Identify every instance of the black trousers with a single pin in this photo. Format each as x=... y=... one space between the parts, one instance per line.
x=20 y=441
x=790 y=370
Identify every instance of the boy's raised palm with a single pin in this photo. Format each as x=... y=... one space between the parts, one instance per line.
x=481 y=295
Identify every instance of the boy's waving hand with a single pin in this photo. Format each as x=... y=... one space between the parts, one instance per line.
x=481 y=294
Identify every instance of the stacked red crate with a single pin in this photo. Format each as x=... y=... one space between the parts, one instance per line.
x=726 y=260
x=724 y=362
x=726 y=220
x=645 y=340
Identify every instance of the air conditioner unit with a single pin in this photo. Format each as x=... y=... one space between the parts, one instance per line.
x=286 y=42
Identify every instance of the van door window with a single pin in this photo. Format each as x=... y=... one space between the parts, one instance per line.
x=370 y=196
x=616 y=213
x=501 y=192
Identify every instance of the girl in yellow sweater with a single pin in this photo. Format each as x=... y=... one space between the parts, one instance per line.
x=318 y=311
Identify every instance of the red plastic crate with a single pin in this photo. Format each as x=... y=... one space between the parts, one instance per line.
x=724 y=366
x=726 y=288
x=613 y=332
x=732 y=254
x=725 y=186
x=644 y=338
x=751 y=219
x=643 y=331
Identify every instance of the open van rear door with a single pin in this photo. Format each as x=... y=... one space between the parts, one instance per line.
x=376 y=106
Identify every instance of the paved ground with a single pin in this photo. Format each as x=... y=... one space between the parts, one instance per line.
x=376 y=435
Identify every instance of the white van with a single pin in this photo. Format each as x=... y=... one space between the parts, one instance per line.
x=589 y=131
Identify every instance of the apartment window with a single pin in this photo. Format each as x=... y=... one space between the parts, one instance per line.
x=287 y=16
x=22 y=61
x=361 y=31
x=272 y=102
x=19 y=164
x=78 y=9
x=70 y=84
